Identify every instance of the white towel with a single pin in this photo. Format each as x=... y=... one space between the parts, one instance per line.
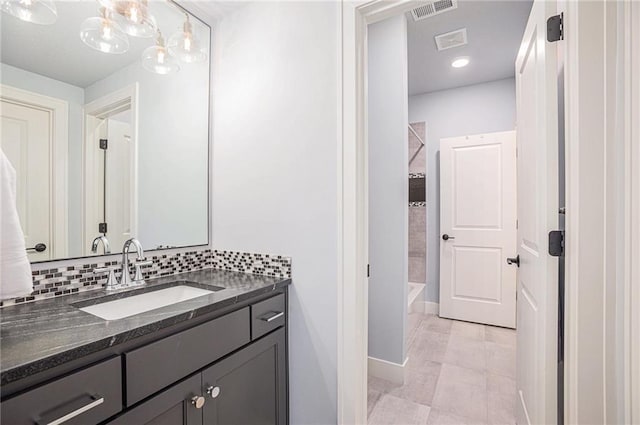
x=15 y=269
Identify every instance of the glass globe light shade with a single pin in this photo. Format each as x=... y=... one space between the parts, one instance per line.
x=158 y=60
x=41 y=12
x=103 y=34
x=185 y=46
x=132 y=16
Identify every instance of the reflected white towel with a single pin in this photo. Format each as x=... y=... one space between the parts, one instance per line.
x=15 y=269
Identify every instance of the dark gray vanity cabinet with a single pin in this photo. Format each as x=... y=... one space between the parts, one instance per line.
x=173 y=406
x=248 y=387
x=230 y=369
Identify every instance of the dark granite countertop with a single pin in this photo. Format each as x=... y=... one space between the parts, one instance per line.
x=40 y=335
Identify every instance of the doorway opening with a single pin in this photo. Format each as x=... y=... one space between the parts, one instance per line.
x=444 y=94
x=110 y=170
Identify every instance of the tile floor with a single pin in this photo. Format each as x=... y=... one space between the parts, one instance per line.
x=458 y=373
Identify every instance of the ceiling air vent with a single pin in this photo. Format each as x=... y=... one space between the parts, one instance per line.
x=451 y=39
x=432 y=8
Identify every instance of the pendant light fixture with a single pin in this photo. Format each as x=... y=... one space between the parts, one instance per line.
x=157 y=58
x=41 y=12
x=103 y=34
x=132 y=16
x=185 y=46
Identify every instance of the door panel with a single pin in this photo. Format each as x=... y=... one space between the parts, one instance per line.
x=536 y=93
x=250 y=385
x=26 y=141
x=478 y=217
x=117 y=183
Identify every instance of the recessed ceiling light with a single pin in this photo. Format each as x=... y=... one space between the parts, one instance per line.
x=460 y=62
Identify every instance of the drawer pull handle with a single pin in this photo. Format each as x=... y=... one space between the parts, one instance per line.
x=96 y=402
x=214 y=392
x=198 y=401
x=274 y=316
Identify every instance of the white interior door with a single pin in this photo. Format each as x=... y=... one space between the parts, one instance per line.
x=117 y=181
x=478 y=226
x=97 y=129
x=26 y=141
x=537 y=124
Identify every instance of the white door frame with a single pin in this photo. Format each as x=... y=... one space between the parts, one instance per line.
x=632 y=214
x=602 y=309
x=352 y=203
x=58 y=180
x=113 y=102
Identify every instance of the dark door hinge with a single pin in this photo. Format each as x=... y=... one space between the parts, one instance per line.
x=102 y=227
x=555 y=28
x=368 y=270
x=103 y=144
x=556 y=243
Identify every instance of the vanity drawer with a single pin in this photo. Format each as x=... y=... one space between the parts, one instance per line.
x=85 y=397
x=161 y=363
x=267 y=315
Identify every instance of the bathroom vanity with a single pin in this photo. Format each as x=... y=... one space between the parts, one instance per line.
x=122 y=131
x=219 y=358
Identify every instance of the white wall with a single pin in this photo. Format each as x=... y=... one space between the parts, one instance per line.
x=25 y=80
x=276 y=96
x=172 y=151
x=388 y=188
x=481 y=108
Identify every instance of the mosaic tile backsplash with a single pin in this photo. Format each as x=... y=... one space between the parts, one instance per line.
x=67 y=280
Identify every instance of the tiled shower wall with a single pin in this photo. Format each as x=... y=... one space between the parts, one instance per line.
x=417 y=210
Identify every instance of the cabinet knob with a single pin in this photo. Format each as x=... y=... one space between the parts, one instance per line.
x=198 y=401
x=214 y=392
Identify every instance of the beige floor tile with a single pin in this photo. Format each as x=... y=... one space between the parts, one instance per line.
x=381 y=385
x=427 y=346
x=420 y=384
x=437 y=417
x=501 y=384
x=437 y=324
x=464 y=376
x=413 y=323
x=468 y=330
x=391 y=410
x=462 y=400
x=466 y=352
x=501 y=408
x=500 y=335
x=372 y=398
x=501 y=359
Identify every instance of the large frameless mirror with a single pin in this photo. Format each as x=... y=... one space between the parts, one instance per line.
x=105 y=118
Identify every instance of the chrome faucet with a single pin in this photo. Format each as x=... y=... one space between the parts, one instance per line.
x=125 y=279
x=105 y=244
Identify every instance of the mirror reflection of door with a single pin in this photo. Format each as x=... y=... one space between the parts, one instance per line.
x=112 y=166
x=117 y=179
x=26 y=141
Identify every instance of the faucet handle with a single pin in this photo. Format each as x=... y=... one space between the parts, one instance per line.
x=138 y=265
x=112 y=281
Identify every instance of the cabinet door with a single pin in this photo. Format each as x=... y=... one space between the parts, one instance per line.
x=250 y=386
x=173 y=406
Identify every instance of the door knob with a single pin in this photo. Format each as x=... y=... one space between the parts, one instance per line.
x=38 y=248
x=214 y=392
x=446 y=237
x=515 y=261
x=198 y=401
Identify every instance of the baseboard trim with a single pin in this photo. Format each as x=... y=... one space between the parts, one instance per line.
x=426 y=307
x=388 y=371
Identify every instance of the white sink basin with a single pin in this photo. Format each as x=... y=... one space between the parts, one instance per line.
x=136 y=304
